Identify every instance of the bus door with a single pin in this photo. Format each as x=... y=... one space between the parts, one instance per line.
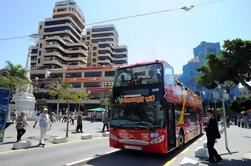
x=171 y=127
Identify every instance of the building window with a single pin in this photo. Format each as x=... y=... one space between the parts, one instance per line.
x=94 y=60
x=40 y=45
x=108 y=84
x=92 y=84
x=38 y=61
x=76 y=85
x=88 y=38
x=109 y=73
x=39 y=53
x=33 y=51
x=73 y=75
x=94 y=54
x=93 y=74
x=61 y=10
x=40 y=26
x=88 y=33
x=94 y=48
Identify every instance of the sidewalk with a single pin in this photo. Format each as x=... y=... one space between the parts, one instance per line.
x=58 y=129
x=239 y=145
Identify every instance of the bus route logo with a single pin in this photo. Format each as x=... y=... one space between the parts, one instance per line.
x=140 y=99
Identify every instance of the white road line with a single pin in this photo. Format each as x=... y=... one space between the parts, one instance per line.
x=85 y=161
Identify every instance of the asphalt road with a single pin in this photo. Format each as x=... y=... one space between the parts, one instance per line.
x=55 y=155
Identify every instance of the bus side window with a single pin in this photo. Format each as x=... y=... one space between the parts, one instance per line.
x=169 y=76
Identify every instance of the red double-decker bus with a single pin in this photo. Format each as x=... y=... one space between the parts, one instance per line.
x=151 y=111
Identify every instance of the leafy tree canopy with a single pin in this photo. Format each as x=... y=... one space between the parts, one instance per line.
x=13 y=76
x=241 y=104
x=231 y=67
x=62 y=91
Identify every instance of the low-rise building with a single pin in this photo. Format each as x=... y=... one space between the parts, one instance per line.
x=97 y=81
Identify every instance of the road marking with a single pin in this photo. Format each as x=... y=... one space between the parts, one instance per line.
x=11 y=151
x=170 y=162
x=49 y=145
x=86 y=160
x=184 y=151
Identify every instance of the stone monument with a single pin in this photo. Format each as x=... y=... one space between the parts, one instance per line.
x=24 y=98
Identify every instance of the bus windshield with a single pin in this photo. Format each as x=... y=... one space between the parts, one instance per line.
x=138 y=115
x=141 y=75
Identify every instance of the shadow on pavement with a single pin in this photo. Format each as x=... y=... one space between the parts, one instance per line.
x=228 y=153
x=232 y=162
x=137 y=158
x=11 y=142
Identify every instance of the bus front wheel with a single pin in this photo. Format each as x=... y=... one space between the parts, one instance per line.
x=181 y=138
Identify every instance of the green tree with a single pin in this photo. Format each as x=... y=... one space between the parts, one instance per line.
x=240 y=104
x=13 y=77
x=231 y=67
x=106 y=102
x=62 y=91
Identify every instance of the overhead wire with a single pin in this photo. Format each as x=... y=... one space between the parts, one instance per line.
x=131 y=16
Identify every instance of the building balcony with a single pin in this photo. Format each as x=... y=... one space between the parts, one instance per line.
x=63 y=32
x=67 y=44
x=76 y=17
x=52 y=61
x=64 y=58
x=58 y=46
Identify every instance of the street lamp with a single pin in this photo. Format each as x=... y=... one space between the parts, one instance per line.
x=222 y=97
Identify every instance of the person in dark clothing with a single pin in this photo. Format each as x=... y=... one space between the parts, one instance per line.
x=105 y=121
x=79 y=124
x=212 y=132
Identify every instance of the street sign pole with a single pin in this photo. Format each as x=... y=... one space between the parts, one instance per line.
x=224 y=118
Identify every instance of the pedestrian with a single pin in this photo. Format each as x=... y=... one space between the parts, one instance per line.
x=105 y=121
x=242 y=121
x=36 y=120
x=64 y=118
x=72 y=118
x=94 y=117
x=212 y=132
x=21 y=124
x=44 y=124
x=13 y=116
x=79 y=124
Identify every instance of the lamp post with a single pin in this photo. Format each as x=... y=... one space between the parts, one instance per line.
x=222 y=96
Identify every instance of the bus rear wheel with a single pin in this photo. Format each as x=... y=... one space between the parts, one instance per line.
x=181 y=138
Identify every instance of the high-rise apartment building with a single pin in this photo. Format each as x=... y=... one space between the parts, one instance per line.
x=103 y=48
x=60 y=43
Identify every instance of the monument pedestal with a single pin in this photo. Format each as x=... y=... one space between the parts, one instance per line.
x=25 y=102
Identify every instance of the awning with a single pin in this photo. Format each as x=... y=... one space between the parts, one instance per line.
x=96 y=110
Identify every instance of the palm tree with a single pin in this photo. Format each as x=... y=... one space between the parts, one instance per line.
x=13 y=77
x=16 y=71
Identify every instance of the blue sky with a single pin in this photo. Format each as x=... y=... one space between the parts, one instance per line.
x=169 y=36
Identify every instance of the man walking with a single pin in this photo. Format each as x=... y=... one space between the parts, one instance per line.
x=212 y=132
x=44 y=123
x=105 y=121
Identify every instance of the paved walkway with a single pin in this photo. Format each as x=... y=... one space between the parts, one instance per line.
x=58 y=129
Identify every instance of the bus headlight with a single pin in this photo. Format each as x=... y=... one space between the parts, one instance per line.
x=113 y=137
x=158 y=140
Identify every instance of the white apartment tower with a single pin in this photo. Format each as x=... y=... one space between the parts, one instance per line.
x=103 y=48
x=60 y=42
